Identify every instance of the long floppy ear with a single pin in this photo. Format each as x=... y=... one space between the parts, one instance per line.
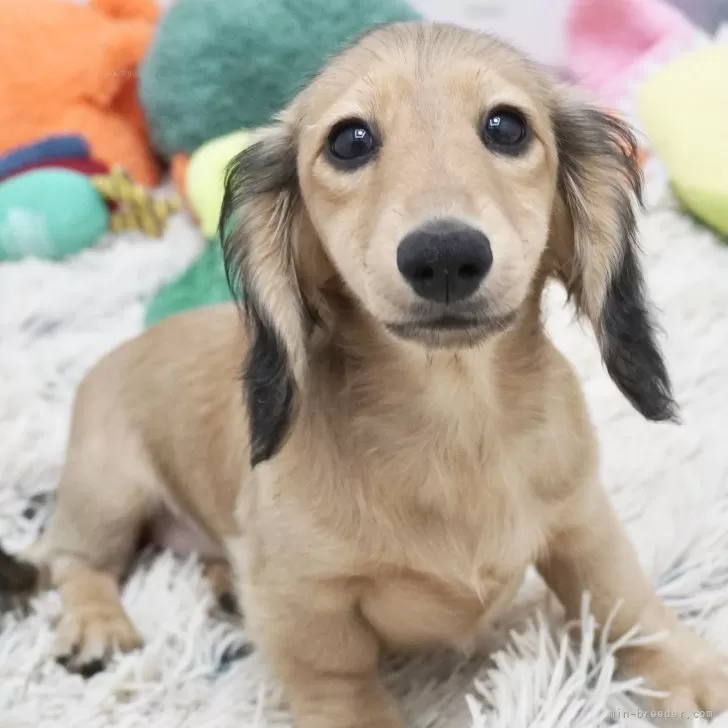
x=259 y=224
x=594 y=241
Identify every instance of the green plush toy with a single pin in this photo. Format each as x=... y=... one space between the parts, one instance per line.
x=216 y=66
x=49 y=213
x=203 y=283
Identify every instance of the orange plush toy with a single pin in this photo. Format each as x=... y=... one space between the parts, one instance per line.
x=70 y=68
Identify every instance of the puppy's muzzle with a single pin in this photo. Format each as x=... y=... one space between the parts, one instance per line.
x=445 y=260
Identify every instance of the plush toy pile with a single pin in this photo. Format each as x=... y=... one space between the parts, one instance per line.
x=99 y=98
x=72 y=127
x=56 y=200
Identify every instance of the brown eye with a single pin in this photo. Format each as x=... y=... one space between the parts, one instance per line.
x=505 y=130
x=351 y=144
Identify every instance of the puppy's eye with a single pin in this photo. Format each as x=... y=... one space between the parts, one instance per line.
x=351 y=144
x=505 y=130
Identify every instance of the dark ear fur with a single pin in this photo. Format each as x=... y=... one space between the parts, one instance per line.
x=258 y=228
x=594 y=245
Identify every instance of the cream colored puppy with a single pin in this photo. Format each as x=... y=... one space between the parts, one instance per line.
x=404 y=440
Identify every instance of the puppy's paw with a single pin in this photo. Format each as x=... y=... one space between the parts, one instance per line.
x=86 y=640
x=694 y=676
x=704 y=691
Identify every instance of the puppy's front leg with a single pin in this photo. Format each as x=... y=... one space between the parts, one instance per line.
x=593 y=553
x=323 y=652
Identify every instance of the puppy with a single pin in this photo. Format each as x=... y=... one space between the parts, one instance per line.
x=405 y=440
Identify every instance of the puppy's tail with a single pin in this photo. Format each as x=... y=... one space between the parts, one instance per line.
x=19 y=580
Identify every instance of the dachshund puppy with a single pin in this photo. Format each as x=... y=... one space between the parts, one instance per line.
x=406 y=440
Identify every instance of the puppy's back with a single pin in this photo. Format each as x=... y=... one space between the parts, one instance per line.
x=171 y=400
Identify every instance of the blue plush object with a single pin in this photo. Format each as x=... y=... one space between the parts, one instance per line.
x=49 y=213
x=62 y=146
x=216 y=66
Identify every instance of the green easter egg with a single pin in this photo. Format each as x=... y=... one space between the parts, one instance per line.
x=205 y=177
x=49 y=213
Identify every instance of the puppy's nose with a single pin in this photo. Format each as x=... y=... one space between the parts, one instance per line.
x=444 y=260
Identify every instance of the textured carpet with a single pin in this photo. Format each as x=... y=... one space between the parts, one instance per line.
x=669 y=484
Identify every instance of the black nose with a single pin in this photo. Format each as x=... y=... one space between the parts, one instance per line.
x=444 y=260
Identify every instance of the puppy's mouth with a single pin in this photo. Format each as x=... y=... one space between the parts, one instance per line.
x=452 y=330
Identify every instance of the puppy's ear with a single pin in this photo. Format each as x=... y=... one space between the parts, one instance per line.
x=259 y=225
x=593 y=242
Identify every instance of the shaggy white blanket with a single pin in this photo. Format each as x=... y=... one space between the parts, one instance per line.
x=669 y=484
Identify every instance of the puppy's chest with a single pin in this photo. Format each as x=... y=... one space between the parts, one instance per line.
x=448 y=548
x=447 y=503
x=436 y=524
x=465 y=523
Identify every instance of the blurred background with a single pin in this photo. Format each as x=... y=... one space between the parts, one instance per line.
x=540 y=27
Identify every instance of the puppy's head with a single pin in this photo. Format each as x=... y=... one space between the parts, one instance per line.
x=434 y=173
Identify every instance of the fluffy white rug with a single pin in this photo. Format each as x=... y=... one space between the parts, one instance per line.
x=670 y=485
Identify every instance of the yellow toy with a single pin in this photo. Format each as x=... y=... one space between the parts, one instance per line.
x=204 y=180
x=136 y=207
x=684 y=109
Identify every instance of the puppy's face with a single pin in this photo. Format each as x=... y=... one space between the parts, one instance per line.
x=428 y=168
x=432 y=171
